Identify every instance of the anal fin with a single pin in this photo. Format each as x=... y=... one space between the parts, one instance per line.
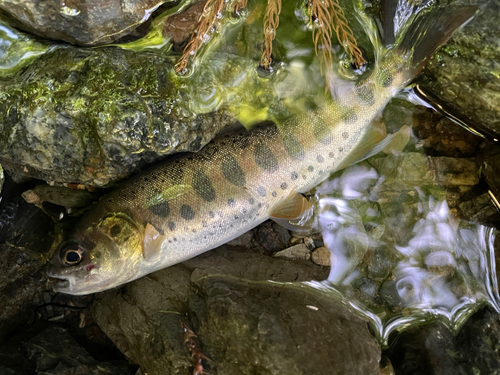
x=292 y=208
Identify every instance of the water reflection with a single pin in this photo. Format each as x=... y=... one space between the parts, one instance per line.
x=399 y=256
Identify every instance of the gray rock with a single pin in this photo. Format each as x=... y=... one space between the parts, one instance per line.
x=322 y=256
x=78 y=116
x=299 y=251
x=243 y=323
x=89 y=22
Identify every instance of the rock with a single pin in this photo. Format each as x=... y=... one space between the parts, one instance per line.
x=89 y=22
x=321 y=256
x=1 y=179
x=433 y=349
x=309 y=242
x=26 y=234
x=464 y=73
x=283 y=234
x=59 y=195
x=79 y=116
x=299 y=251
x=54 y=351
x=180 y=26
x=17 y=50
x=244 y=323
x=267 y=237
x=245 y=240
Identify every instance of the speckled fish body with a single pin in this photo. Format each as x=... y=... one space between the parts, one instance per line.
x=197 y=202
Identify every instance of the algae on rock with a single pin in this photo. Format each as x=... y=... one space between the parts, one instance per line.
x=96 y=116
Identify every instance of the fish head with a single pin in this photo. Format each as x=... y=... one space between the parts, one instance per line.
x=101 y=256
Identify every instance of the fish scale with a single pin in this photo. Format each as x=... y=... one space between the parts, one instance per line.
x=196 y=202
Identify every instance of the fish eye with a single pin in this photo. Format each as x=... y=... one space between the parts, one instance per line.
x=72 y=256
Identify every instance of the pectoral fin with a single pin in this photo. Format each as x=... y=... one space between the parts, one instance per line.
x=151 y=246
x=292 y=208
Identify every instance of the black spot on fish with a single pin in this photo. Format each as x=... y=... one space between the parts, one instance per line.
x=265 y=158
x=115 y=230
x=203 y=186
x=187 y=212
x=274 y=194
x=175 y=239
x=341 y=149
x=232 y=171
x=193 y=230
x=310 y=168
x=304 y=176
x=294 y=175
x=293 y=147
x=345 y=135
x=320 y=159
x=211 y=214
x=231 y=202
x=261 y=191
x=244 y=210
x=204 y=224
x=251 y=201
x=220 y=214
x=236 y=217
x=331 y=155
x=161 y=209
x=283 y=186
x=349 y=116
x=365 y=94
x=171 y=225
x=321 y=131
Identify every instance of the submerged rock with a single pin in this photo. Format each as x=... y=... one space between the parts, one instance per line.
x=96 y=116
x=433 y=349
x=244 y=324
x=89 y=22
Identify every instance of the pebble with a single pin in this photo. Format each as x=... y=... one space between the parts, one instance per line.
x=321 y=256
x=309 y=242
x=299 y=251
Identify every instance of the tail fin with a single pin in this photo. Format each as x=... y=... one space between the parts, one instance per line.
x=428 y=30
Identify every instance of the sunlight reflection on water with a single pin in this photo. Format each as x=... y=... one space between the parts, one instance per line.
x=426 y=264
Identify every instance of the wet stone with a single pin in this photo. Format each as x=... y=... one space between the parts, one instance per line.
x=299 y=251
x=90 y=22
x=212 y=291
x=95 y=126
x=268 y=238
x=309 y=242
x=433 y=349
x=321 y=256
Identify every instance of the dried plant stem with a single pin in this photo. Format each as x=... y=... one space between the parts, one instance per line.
x=240 y=4
x=327 y=16
x=205 y=24
x=271 y=22
x=344 y=34
x=322 y=34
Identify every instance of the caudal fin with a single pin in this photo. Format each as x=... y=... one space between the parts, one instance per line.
x=428 y=30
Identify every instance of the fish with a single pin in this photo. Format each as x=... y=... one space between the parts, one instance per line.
x=196 y=202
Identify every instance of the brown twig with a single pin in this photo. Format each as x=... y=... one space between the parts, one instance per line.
x=205 y=25
x=271 y=22
x=191 y=342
